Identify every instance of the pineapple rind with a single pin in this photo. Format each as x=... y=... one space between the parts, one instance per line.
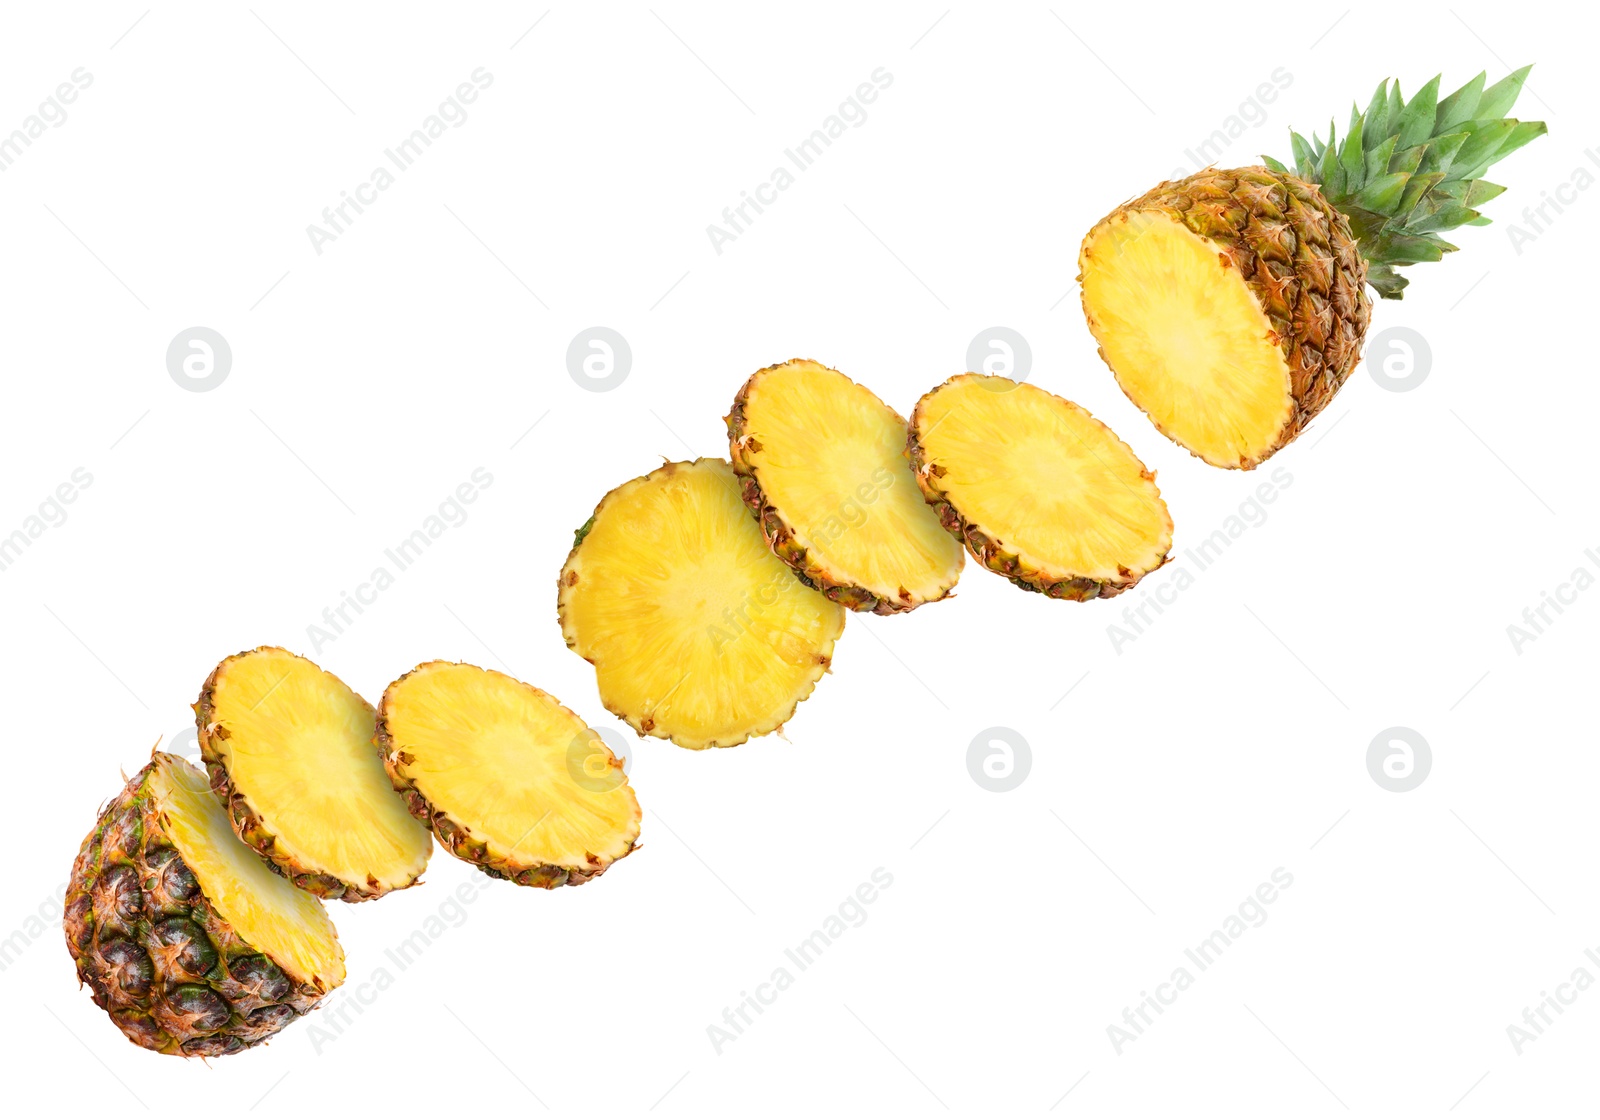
x=457 y=836
x=1298 y=256
x=992 y=552
x=787 y=540
x=158 y=955
x=249 y=823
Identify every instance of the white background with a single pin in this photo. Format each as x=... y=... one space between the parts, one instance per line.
x=1227 y=740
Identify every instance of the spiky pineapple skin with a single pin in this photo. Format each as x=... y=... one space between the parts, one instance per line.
x=247 y=821
x=172 y=974
x=1299 y=258
x=454 y=836
x=990 y=552
x=781 y=535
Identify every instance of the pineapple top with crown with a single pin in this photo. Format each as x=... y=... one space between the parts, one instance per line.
x=1232 y=305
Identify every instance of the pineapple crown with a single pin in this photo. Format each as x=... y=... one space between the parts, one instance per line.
x=1408 y=169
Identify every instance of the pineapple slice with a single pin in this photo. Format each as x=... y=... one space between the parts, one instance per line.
x=290 y=752
x=185 y=937
x=697 y=632
x=1038 y=490
x=824 y=469
x=505 y=776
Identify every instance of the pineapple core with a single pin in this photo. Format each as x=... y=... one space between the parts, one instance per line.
x=508 y=764
x=697 y=632
x=1186 y=337
x=299 y=749
x=265 y=909
x=855 y=509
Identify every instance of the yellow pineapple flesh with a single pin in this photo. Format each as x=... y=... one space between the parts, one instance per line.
x=1186 y=336
x=505 y=776
x=287 y=924
x=697 y=632
x=1038 y=489
x=824 y=470
x=289 y=747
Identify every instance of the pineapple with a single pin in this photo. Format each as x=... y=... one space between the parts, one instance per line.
x=697 y=632
x=1037 y=489
x=851 y=523
x=1232 y=305
x=505 y=776
x=184 y=936
x=290 y=753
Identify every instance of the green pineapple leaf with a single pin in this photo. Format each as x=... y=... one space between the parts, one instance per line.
x=1392 y=110
x=1410 y=170
x=1480 y=191
x=1481 y=146
x=1405 y=248
x=1406 y=159
x=1382 y=194
x=1446 y=217
x=1462 y=105
x=1416 y=189
x=1498 y=98
x=1442 y=151
x=1525 y=132
x=1302 y=152
x=1415 y=123
x=1386 y=281
x=1328 y=165
x=1374 y=115
x=1378 y=158
x=1351 y=151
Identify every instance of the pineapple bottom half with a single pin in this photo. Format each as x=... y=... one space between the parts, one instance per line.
x=185 y=937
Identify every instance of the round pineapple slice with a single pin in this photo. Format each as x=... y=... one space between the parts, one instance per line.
x=1038 y=490
x=506 y=777
x=824 y=469
x=1230 y=305
x=697 y=632
x=185 y=937
x=290 y=752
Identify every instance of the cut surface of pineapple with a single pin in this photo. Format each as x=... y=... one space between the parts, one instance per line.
x=290 y=750
x=824 y=470
x=1186 y=337
x=507 y=778
x=697 y=632
x=1037 y=488
x=263 y=908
